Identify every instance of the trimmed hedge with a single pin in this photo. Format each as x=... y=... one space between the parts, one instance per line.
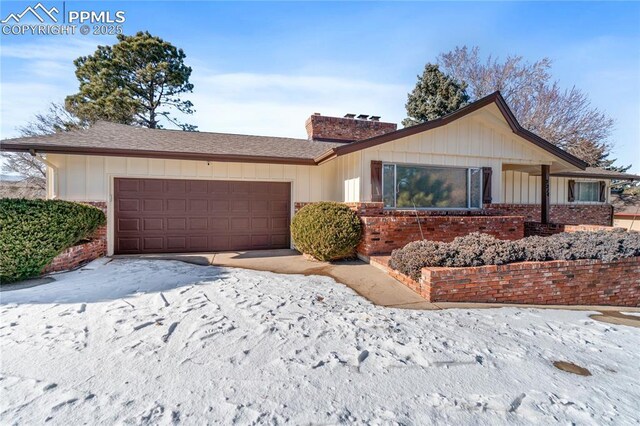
x=33 y=232
x=325 y=230
x=481 y=249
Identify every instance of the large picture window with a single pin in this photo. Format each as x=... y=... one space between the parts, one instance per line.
x=405 y=186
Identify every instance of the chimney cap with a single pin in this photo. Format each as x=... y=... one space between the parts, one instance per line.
x=363 y=116
x=349 y=116
x=374 y=118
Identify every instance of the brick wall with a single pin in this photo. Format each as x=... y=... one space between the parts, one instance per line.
x=80 y=254
x=77 y=255
x=382 y=234
x=571 y=214
x=545 y=230
x=558 y=282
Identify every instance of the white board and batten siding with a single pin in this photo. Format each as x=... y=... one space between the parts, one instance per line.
x=90 y=178
x=523 y=188
x=477 y=140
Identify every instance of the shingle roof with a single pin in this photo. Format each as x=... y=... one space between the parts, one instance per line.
x=596 y=172
x=112 y=139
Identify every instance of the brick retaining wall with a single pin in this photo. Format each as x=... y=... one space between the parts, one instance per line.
x=558 y=282
x=382 y=234
x=569 y=214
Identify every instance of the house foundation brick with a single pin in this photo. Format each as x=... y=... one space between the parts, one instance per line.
x=548 y=229
x=567 y=214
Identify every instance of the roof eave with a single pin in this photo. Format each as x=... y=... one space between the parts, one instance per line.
x=597 y=176
x=114 y=152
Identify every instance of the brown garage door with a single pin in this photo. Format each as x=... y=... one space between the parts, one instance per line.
x=171 y=215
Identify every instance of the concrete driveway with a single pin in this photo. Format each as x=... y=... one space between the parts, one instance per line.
x=364 y=279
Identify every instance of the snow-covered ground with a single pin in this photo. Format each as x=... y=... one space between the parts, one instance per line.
x=148 y=342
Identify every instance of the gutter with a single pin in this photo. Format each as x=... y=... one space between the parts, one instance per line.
x=116 y=152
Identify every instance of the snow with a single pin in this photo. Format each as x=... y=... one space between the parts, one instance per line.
x=163 y=342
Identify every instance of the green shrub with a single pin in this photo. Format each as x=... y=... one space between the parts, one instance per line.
x=480 y=249
x=327 y=231
x=33 y=232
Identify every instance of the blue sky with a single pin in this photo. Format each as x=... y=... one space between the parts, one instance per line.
x=262 y=68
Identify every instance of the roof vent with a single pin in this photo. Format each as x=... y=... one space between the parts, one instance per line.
x=349 y=116
x=374 y=118
x=363 y=116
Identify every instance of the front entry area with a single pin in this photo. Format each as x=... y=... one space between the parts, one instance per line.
x=178 y=216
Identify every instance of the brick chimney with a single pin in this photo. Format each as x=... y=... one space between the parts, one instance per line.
x=347 y=129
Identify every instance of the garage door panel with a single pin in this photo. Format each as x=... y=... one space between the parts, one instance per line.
x=198 y=205
x=280 y=224
x=260 y=224
x=239 y=242
x=219 y=224
x=240 y=189
x=198 y=224
x=219 y=206
x=152 y=224
x=170 y=215
x=218 y=187
x=128 y=244
x=259 y=206
x=261 y=240
x=198 y=186
x=239 y=224
x=176 y=224
x=280 y=207
x=176 y=205
x=128 y=205
x=152 y=243
x=241 y=206
x=281 y=240
x=153 y=185
x=128 y=185
x=198 y=242
x=176 y=186
x=153 y=205
x=124 y=225
x=218 y=242
x=176 y=244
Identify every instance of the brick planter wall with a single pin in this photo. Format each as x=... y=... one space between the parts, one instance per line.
x=570 y=214
x=382 y=234
x=558 y=282
x=80 y=254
